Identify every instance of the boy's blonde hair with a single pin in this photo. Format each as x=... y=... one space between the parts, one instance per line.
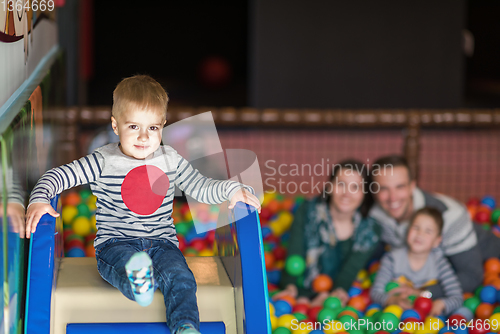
x=139 y=92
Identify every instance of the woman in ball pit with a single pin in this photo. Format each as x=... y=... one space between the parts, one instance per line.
x=334 y=234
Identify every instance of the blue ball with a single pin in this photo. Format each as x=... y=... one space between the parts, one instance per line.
x=488 y=294
x=489 y=201
x=265 y=231
x=464 y=312
x=274 y=276
x=461 y=330
x=281 y=307
x=373 y=306
x=410 y=314
x=498 y=296
x=353 y=291
x=317 y=331
x=75 y=252
x=445 y=329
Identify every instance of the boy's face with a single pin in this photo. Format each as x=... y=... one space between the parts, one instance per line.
x=423 y=234
x=139 y=132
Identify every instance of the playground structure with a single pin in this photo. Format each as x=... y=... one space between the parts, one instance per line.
x=67 y=295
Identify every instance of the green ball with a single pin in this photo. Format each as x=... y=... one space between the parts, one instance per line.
x=271 y=294
x=85 y=193
x=300 y=281
x=332 y=302
x=300 y=316
x=376 y=316
x=496 y=310
x=364 y=325
x=477 y=293
x=295 y=265
x=83 y=210
x=391 y=285
x=472 y=303
x=372 y=276
x=282 y=330
x=495 y=215
x=391 y=322
x=356 y=331
x=350 y=308
x=486 y=227
x=268 y=247
x=347 y=319
x=412 y=298
x=327 y=314
x=182 y=228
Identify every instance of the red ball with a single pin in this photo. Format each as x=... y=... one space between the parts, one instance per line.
x=474 y=201
x=210 y=237
x=264 y=215
x=313 y=312
x=423 y=306
x=455 y=320
x=182 y=242
x=199 y=244
x=482 y=217
x=75 y=243
x=301 y=308
x=279 y=253
x=479 y=327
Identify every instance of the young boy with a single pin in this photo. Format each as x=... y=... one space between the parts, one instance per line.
x=134 y=182
x=419 y=265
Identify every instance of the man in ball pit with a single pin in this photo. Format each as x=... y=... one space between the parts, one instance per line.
x=465 y=244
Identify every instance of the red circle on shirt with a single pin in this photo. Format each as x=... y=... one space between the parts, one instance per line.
x=144 y=189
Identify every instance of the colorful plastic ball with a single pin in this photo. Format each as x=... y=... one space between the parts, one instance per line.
x=327 y=314
x=75 y=252
x=488 y=294
x=274 y=323
x=472 y=303
x=492 y=265
x=313 y=312
x=300 y=316
x=495 y=216
x=394 y=309
x=484 y=311
x=482 y=217
x=81 y=226
x=182 y=228
x=282 y=307
x=353 y=291
x=479 y=327
x=300 y=308
x=332 y=303
x=265 y=231
x=391 y=321
x=410 y=314
x=322 y=283
x=279 y=253
x=83 y=210
x=489 y=201
x=464 y=312
x=281 y=330
x=75 y=243
x=295 y=265
x=90 y=251
x=68 y=213
x=358 y=302
x=274 y=276
x=422 y=305
x=391 y=285
x=285 y=320
x=495 y=322
x=72 y=198
x=206 y=252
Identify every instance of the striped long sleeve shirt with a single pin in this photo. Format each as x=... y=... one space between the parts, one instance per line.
x=134 y=197
x=436 y=270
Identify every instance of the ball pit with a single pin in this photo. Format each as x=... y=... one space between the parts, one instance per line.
x=481 y=306
x=78 y=216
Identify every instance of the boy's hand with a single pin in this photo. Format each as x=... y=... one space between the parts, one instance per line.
x=341 y=294
x=290 y=290
x=34 y=213
x=246 y=197
x=15 y=212
x=438 y=307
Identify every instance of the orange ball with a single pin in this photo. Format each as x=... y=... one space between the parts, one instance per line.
x=90 y=250
x=468 y=295
x=273 y=206
x=289 y=299
x=374 y=267
x=489 y=277
x=72 y=198
x=472 y=211
x=322 y=282
x=269 y=259
x=495 y=283
x=484 y=311
x=288 y=204
x=492 y=265
x=358 y=302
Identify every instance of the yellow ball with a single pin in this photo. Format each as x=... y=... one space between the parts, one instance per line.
x=277 y=228
x=68 y=213
x=495 y=322
x=372 y=311
x=366 y=284
x=271 y=309
x=188 y=216
x=433 y=324
x=93 y=223
x=333 y=327
x=274 y=322
x=279 y=264
x=362 y=275
x=285 y=218
x=394 y=309
x=81 y=226
x=286 y=321
x=206 y=252
x=409 y=327
x=303 y=330
x=92 y=207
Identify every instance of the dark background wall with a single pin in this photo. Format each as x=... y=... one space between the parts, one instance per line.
x=357 y=54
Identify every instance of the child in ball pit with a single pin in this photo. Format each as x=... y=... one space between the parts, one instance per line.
x=134 y=182
x=418 y=265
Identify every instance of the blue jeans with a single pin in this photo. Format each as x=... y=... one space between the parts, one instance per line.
x=171 y=274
